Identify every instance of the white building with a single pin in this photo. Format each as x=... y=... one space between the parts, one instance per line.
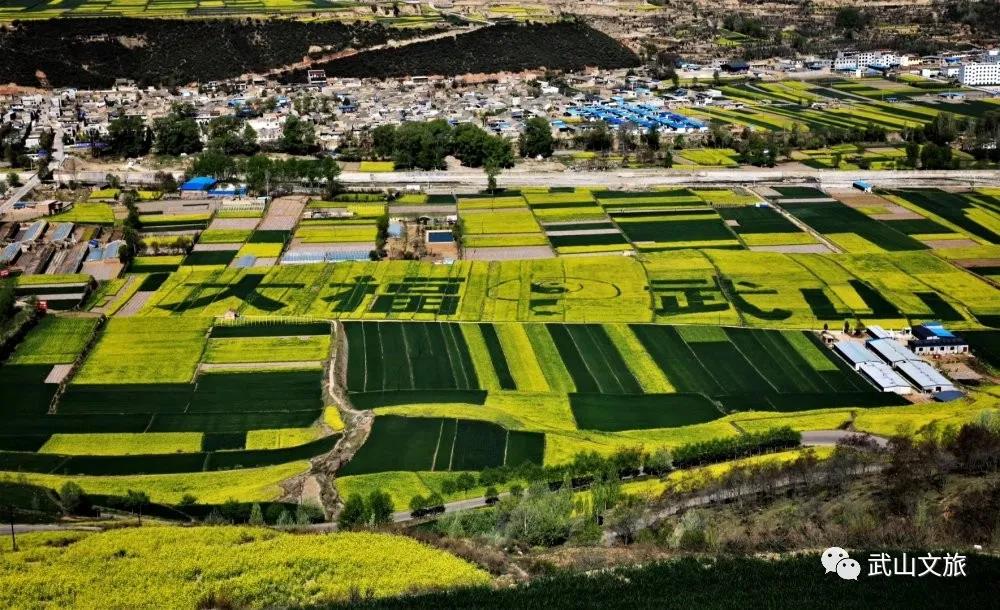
x=979 y=73
x=925 y=376
x=884 y=377
x=873 y=59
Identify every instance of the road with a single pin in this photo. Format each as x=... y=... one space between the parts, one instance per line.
x=19 y=194
x=466 y=178
x=55 y=163
x=813 y=438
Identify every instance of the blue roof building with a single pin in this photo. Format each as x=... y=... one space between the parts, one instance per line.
x=199 y=183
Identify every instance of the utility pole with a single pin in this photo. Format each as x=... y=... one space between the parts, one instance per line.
x=13 y=536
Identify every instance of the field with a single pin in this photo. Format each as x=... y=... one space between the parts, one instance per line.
x=481 y=364
x=289 y=569
x=56 y=340
x=834 y=219
x=419 y=444
x=89 y=213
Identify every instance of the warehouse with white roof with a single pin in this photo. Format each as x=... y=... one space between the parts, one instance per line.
x=925 y=376
x=891 y=351
x=854 y=353
x=884 y=377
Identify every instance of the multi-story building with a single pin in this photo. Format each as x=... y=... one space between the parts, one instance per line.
x=985 y=71
x=868 y=59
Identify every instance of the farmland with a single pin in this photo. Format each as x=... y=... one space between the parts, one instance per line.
x=229 y=382
x=382 y=564
x=139 y=405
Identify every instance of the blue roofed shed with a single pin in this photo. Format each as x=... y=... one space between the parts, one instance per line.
x=199 y=183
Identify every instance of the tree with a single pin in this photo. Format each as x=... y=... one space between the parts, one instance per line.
x=354 y=512
x=912 y=154
x=135 y=500
x=232 y=136
x=297 y=136
x=652 y=138
x=465 y=481
x=668 y=159
x=491 y=170
x=384 y=141
x=166 y=182
x=851 y=18
x=380 y=507
x=13 y=180
x=256 y=515
x=73 y=498
x=537 y=138
x=660 y=461
x=418 y=503
x=128 y=136
x=178 y=133
x=838 y=157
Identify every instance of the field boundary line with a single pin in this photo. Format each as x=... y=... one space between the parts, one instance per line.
x=437 y=446
x=454 y=441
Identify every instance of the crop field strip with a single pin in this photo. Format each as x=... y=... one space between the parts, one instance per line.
x=391 y=356
x=441 y=444
x=157 y=424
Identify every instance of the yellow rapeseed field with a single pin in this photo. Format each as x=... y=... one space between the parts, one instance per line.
x=179 y=567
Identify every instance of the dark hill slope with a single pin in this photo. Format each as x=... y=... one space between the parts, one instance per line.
x=557 y=46
x=94 y=52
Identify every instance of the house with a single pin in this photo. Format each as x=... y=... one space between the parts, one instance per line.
x=932 y=338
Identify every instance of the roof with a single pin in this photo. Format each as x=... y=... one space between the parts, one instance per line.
x=35 y=230
x=63 y=230
x=245 y=261
x=948 y=395
x=883 y=375
x=931 y=330
x=10 y=252
x=891 y=351
x=199 y=183
x=878 y=332
x=923 y=374
x=326 y=256
x=854 y=352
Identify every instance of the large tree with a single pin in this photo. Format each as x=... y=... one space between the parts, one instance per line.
x=128 y=136
x=537 y=138
x=178 y=133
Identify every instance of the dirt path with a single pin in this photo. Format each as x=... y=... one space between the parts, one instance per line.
x=308 y=62
x=317 y=484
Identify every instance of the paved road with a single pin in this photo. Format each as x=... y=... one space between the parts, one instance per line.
x=817 y=438
x=55 y=163
x=647 y=178
x=464 y=178
x=19 y=194
x=812 y=438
